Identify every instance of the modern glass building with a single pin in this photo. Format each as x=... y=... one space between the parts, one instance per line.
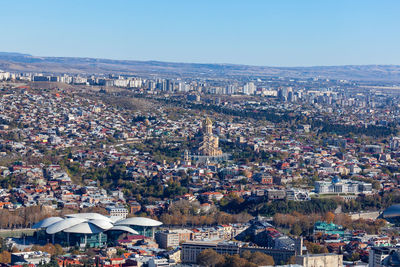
x=143 y=226
x=392 y=214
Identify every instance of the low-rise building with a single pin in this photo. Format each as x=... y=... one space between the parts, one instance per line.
x=384 y=256
x=117 y=212
x=31 y=257
x=191 y=249
x=337 y=186
x=167 y=239
x=317 y=260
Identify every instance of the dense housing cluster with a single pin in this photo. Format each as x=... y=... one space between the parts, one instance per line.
x=131 y=171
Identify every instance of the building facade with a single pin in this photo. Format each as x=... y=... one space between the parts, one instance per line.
x=320 y=260
x=210 y=144
x=167 y=239
x=191 y=249
x=384 y=256
x=342 y=186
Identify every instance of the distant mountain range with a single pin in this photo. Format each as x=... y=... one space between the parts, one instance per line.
x=16 y=62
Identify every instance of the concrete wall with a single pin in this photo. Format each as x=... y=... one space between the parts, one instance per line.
x=365 y=215
x=320 y=260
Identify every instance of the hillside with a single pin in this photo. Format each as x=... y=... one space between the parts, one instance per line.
x=27 y=63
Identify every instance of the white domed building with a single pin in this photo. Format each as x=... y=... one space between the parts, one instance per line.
x=91 y=229
x=144 y=226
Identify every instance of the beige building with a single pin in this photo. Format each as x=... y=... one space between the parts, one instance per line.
x=167 y=239
x=172 y=238
x=320 y=260
x=210 y=144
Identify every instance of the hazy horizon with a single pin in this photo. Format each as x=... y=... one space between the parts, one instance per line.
x=200 y=63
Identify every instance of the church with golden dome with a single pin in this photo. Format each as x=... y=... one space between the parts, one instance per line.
x=209 y=146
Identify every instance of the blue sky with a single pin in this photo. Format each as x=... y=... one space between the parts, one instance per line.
x=264 y=32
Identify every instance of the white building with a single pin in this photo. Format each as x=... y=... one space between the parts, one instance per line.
x=116 y=212
x=249 y=88
x=30 y=257
x=121 y=83
x=381 y=256
x=4 y=75
x=153 y=262
x=297 y=194
x=342 y=186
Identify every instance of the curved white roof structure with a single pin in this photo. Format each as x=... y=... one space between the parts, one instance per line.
x=89 y=216
x=105 y=225
x=139 y=221
x=47 y=222
x=64 y=224
x=84 y=228
x=92 y=223
x=123 y=228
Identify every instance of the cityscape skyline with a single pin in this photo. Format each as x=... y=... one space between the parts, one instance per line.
x=264 y=33
x=200 y=133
